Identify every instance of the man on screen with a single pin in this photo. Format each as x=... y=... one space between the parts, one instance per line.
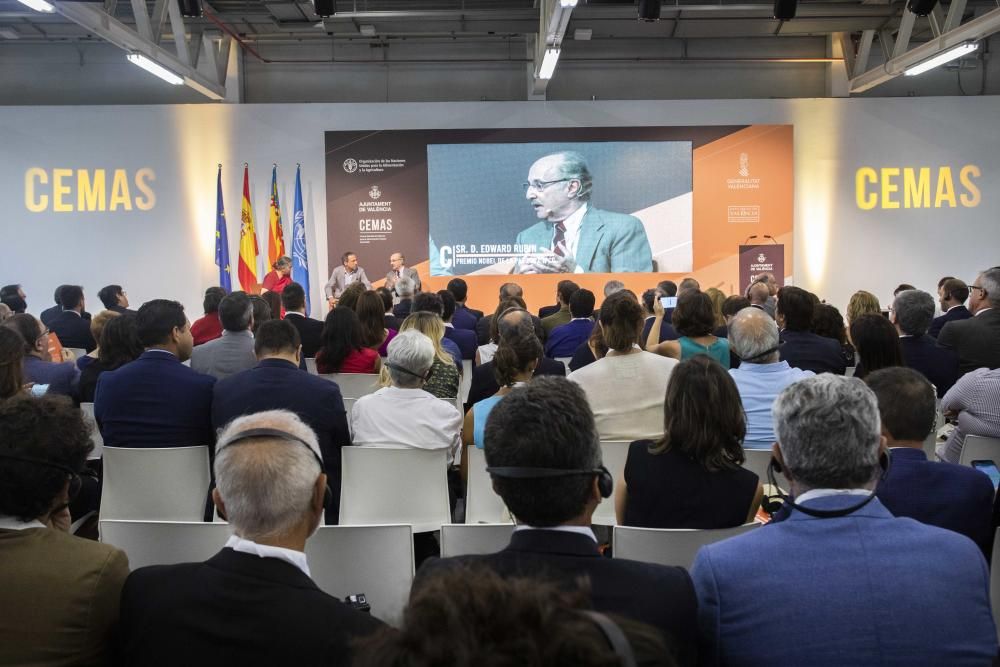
x=573 y=236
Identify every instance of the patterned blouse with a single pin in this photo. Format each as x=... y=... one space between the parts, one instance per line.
x=444 y=380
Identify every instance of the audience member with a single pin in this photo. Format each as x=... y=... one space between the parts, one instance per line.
x=253 y=603
x=293 y=300
x=667 y=331
x=543 y=453
x=912 y=312
x=208 y=326
x=55 y=311
x=5 y=312
x=952 y=294
x=343 y=276
x=829 y=323
x=688 y=284
x=731 y=306
x=157 y=401
x=69 y=326
x=902 y=287
x=694 y=320
x=278 y=383
x=877 y=344
x=11 y=358
x=233 y=352
x=60 y=593
x=484 y=382
x=718 y=298
x=372 y=319
x=758 y=295
x=589 y=351
x=465 y=317
x=391 y=321
x=403 y=414
x=484 y=325
x=280 y=275
x=772 y=292
x=625 y=388
x=119 y=345
x=431 y=302
x=613 y=286
x=349 y=298
x=444 y=378
x=833 y=550
x=959 y=498
x=404 y=290
x=564 y=339
x=564 y=292
x=273 y=300
x=691 y=476
x=465 y=339
x=974 y=401
x=261 y=311
x=97 y=324
x=861 y=303
x=13 y=297
x=762 y=375
x=485 y=351
x=342 y=350
x=114 y=299
x=59 y=377
x=800 y=347
x=472 y=616
x=977 y=339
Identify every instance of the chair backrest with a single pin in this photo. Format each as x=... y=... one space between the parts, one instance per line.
x=980 y=448
x=375 y=560
x=482 y=504
x=77 y=352
x=95 y=433
x=466 y=385
x=354 y=385
x=166 y=484
x=668 y=546
x=348 y=406
x=384 y=485
x=462 y=539
x=311 y=365
x=995 y=580
x=565 y=361
x=165 y=542
x=613 y=453
x=757 y=461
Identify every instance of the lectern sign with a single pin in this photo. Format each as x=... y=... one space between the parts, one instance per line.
x=758 y=259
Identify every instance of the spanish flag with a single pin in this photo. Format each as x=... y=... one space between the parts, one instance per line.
x=247 y=269
x=276 y=238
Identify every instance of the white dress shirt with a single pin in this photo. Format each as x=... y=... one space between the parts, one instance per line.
x=296 y=558
x=13 y=523
x=821 y=493
x=580 y=530
x=397 y=417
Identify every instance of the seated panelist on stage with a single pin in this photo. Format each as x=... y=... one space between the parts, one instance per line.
x=254 y=602
x=398 y=269
x=573 y=236
x=280 y=275
x=344 y=275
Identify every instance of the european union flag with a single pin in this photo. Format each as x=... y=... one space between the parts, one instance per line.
x=222 y=241
x=300 y=252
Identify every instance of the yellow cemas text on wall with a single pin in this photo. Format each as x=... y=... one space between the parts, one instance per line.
x=916 y=187
x=88 y=190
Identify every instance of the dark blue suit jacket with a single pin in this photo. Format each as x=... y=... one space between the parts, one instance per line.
x=667 y=331
x=466 y=318
x=564 y=339
x=946 y=495
x=545 y=311
x=275 y=384
x=938 y=364
x=812 y=352
x=464 y=338
x=402 y=309
x=953 y=315
x=62 y=378
x=155 y=401
x=72 y=330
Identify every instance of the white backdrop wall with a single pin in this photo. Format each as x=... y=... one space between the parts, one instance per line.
x=168 y=251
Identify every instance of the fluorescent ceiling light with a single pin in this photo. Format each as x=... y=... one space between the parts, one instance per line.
x=567 y=3
x=940 y=59
x=155 y=68
x=548 y=64
x=39 y=5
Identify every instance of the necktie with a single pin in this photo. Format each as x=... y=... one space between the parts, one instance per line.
x=559 y=239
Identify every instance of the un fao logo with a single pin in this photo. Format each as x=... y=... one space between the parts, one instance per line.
x=761 y=258
x=374 y=193
x=350 y=165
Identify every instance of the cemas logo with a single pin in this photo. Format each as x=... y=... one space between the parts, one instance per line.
x=88 y=190
x=917 y=187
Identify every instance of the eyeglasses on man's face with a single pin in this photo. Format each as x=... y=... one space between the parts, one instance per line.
x=541 y=185
x=972 y=287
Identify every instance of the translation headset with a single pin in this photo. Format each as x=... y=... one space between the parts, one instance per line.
x=605 y=482
x=615 y=636
x=402 y=369
x=762 y=354
x=771 y=505
x=252 y=433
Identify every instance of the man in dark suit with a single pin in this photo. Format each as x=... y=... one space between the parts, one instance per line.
x=799 y=346
x=977 y=339
x=69 y=326
x=293 y=300
x=55 y=311
x=564 y=339
x=959 y=498
x=114 y=299
x=912 y=312
x=464 y=338
x=507 y=290
x=157 y=401
x=391 y=321
x=952 y=294
x=253 y=603
x=405 y=291
x=465 y=317
x=484 y=382
x=547 y=425
x=277 y=383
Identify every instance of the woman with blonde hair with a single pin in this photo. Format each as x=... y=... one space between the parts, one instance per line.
x=718 y=298
x=861 y=303
x=444 y=377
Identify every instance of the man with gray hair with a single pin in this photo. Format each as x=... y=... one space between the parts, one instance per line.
x=404 y=289
x=977 y=339
x=270 y=487
x=761 y=375
x=613 y=286
x=912 y=313
x=234 y=351
x=841 y=581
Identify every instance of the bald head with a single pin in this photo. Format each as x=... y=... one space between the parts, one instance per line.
x=753 y=335
x=508 y=290
x=758 y=293
x=515 y=319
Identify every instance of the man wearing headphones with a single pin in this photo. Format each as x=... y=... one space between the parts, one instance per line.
x=841 y=581
x=543 y=453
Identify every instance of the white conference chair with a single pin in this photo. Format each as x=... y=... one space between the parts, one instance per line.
x=165 y=542
x=77 y=352
x=466 y=385
x=463 y=539
x=165 y=484
x=565 y=361
x=980 y=448
x=386 y=485
x=757 y=461
x=354 y=385
x=995 y=580
x=311 y=365
x=668 y=546
x=348 y=406
x=482 y=504
x=613 y=453
x=376 y=560
x=95 y=433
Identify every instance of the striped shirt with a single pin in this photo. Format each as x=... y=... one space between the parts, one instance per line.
x=976 y=398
